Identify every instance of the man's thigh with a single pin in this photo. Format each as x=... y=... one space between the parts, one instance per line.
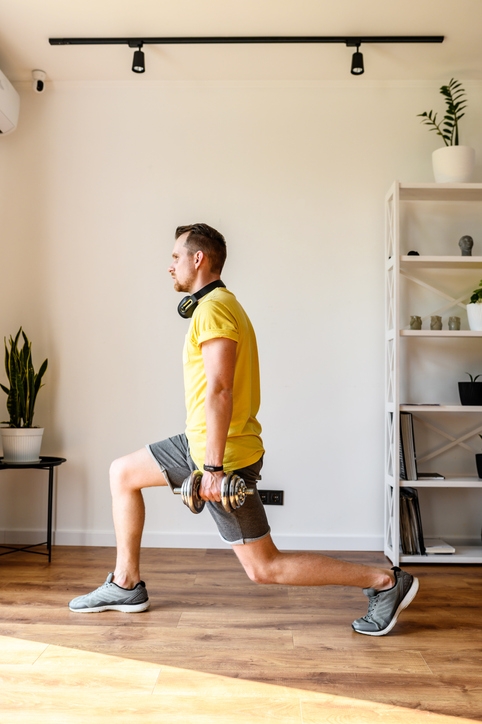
x=137 y=470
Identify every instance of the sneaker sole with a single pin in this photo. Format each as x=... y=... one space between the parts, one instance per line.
x=409 y=596
x=137 y=608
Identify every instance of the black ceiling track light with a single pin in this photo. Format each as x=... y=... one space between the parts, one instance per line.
x=357 y=68
x=138 y=62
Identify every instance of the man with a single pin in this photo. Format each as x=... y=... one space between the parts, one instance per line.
x=222 y=391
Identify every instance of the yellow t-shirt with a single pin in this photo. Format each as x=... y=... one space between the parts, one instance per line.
x=219 y=314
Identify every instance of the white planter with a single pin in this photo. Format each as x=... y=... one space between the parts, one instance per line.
x=474 y=316
x=453 y=164
x=21 y=444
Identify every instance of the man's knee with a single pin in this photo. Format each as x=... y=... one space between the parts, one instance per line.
x=259 y=573
x=259 y=568
x=118 y=475
x=134 y=472
x=125 y=474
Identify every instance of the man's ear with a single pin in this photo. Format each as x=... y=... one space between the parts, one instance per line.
x=198 y=258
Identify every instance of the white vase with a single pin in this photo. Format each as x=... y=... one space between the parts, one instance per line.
x=474 y=316
x=453 y=164
x=21 y=444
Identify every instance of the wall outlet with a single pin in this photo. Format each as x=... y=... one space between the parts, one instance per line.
x=271 y=497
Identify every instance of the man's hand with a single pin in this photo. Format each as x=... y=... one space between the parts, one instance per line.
x=210 y=488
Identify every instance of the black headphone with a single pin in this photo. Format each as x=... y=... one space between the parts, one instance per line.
x=188 y=304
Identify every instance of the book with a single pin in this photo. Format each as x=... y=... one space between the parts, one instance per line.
x=407 y=445
x=430 y=476
x=438 y=546
x=403 y=470
x=411 y=530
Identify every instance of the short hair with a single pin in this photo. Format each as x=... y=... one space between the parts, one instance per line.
x=206 y=239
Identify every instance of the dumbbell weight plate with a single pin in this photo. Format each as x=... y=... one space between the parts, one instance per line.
x=237 y=492
x=190 y=492
x=233 y=492
x=226 y=503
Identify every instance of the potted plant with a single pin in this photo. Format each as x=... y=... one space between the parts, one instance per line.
x=21 y=440
x=453 y=163
x=471 y=392
x=474 y=309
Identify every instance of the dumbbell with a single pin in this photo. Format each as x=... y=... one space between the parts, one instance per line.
x=233 y=492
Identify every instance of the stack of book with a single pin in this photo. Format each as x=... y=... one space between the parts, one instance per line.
x=411 y=532
x=408 y=457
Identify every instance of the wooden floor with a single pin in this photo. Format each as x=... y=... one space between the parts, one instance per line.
x=215 y=647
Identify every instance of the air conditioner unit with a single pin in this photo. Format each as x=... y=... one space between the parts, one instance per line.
x=9 y=105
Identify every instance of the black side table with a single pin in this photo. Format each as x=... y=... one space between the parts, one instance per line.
x=45 y=463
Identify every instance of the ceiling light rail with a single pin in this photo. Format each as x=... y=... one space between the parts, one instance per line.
x=357 y=67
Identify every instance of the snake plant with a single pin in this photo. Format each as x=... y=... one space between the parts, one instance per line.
x=448 y=128
x=24 y=382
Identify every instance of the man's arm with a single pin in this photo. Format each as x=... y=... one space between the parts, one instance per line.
x=219 y=356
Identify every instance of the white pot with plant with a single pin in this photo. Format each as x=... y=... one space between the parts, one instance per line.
x=21 y=440
x=453 y=163
x=474 y=309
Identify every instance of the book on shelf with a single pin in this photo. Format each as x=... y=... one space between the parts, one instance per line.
x=430 y=476
x=411 y=531
x=438 y=546
x=403 y=470
x=408 y=457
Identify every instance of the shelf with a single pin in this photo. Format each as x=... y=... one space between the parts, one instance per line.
x=463 y=554
x=440 y=192
x=441 y=262
x=440 y=333
x=441 y=408
x=447 y=483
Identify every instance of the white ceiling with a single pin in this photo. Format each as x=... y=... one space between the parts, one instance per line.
x=26 y=25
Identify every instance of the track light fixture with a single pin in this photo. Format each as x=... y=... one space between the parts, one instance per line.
x=138 y=62
x=357 y=67
x=138 y=65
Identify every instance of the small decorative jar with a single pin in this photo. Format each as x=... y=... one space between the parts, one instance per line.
x=435 y=322
x=415 y=322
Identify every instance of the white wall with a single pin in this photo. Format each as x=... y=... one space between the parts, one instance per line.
x=94 y=182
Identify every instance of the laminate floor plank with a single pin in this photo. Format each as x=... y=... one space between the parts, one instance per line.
x=424 y=640
x=161 y=639
x=251 y=664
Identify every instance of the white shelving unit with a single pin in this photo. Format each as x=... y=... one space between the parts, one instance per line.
x=431 y=284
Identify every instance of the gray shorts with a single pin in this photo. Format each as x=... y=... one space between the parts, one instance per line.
x=244 y=525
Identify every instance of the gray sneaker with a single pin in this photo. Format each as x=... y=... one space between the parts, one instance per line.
x=111 y=597
x=384 y=607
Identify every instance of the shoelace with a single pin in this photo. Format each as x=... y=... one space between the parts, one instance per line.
x=372 y=604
